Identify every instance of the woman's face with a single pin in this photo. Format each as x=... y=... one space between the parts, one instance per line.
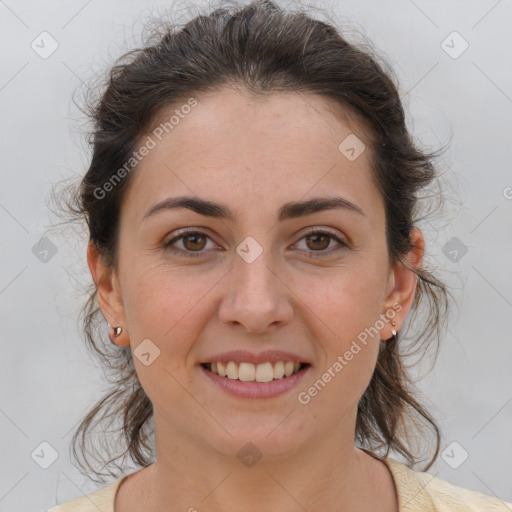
x=255 y=282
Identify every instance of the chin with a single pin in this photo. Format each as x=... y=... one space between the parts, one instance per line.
x=267 y=438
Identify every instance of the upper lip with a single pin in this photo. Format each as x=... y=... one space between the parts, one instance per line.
x=244 y=356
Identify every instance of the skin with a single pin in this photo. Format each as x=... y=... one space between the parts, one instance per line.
x=272 y=151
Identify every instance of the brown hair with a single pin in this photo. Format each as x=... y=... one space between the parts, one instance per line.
x=263 y=49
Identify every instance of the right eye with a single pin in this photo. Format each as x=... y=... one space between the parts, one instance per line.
x=192 y=241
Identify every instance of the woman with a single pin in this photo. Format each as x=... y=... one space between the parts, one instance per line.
x=251 y=204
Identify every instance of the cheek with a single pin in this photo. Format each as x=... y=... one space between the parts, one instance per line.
x=166 y=309
x=346 y=302
x=344 y=309
x=164 y=305
x=350 y=341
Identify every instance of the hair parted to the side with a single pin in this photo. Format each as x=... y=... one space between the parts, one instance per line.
x=263 y=49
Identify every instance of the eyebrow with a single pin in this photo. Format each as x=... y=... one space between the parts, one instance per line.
x=289 y=210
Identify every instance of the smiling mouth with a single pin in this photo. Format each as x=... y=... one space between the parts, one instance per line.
x=248 y=372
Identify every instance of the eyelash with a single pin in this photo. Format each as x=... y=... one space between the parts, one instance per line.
x=196 y=254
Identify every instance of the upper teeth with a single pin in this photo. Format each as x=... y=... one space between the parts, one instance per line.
x=249 y=372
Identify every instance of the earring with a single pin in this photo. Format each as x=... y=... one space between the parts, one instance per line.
x=116 y=332
x=393 y=332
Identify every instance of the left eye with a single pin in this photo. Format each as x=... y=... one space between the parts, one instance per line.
x=321 y=240
x=194 y=241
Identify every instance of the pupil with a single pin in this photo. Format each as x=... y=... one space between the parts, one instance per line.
x=194 y=237
x=314 y=237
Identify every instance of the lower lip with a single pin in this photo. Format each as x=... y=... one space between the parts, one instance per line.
x=256 y=389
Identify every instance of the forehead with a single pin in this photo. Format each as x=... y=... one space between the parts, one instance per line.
x=273 y=149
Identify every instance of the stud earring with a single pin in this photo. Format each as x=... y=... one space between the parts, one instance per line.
x=116 y=331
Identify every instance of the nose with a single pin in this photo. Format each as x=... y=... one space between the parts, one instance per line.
x=257 y=297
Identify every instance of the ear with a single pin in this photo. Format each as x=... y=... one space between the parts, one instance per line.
x=402 y=285
x=109 y=293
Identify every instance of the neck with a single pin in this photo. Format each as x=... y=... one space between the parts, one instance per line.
x=327 y=474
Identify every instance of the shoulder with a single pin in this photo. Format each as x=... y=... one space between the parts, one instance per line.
x=423 y=492
x=102 y=499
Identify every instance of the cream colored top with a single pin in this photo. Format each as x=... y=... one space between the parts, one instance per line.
x=417 y=492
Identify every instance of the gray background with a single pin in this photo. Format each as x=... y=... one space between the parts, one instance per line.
x=47 y=377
